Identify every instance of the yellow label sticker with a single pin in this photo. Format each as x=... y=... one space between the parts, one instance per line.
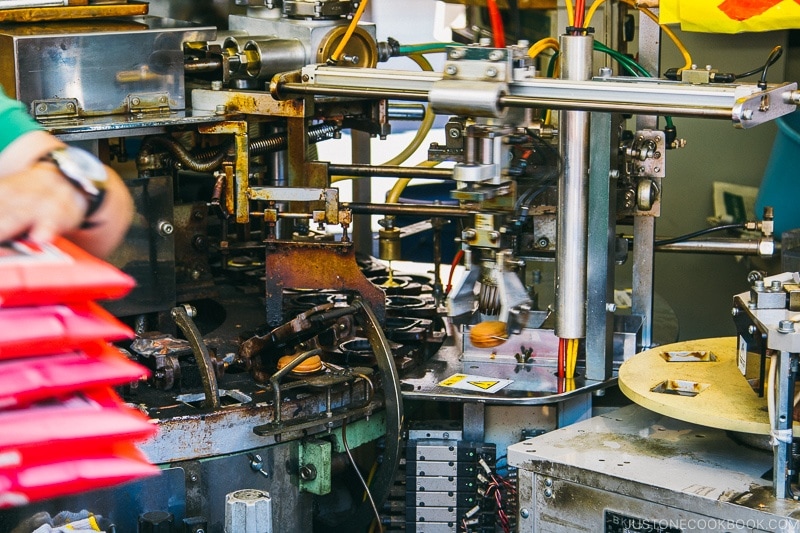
x=485 y=385
x=452 y=380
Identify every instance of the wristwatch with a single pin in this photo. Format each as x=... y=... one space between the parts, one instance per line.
x=83 y=170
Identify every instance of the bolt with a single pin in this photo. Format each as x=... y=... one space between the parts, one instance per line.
x=611 y=307
x=470 y=234
x=656 y=169
x=454 y=133
x=785 y=326
x=41 y=108
x=543 y=242
x=456 y=53
x=735 y=311
x=216 y=85
x=193 y=477
x=308 y=472
x=776 y=286
x=606 y=72
x=165 y=228
x=747 y=114
x=548 y=482
x=135 y=101
x=451 y=70
x=495 y=55
x=491 y=72
x=524 y=513
x=163 y=99
x=752 y=329
x=494 y=236
x=221 y=109
x=71 y=106
x=548 y=493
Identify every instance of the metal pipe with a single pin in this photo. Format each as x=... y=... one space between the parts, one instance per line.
x=408 y=210
x=390 y=171
x=573 y=197
x=398 y=111
x=617 y=107
x=717 y=246
x=193 y=65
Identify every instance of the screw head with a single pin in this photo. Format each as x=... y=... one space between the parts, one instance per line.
x=491 y=72
x=451 y=70
x=524 y=513
x=548 y=493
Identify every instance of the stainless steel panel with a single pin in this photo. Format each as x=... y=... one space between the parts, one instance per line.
x=107 y=67
x=639 y=467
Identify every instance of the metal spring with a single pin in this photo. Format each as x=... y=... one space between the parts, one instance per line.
x=489 y=299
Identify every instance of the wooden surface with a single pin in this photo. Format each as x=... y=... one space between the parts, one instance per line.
x=73 y=12
x=727 y=403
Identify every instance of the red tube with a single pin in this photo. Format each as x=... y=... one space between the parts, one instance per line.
x=497 y=24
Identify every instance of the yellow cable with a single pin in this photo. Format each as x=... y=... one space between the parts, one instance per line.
x=570 y=13
x=541 y=45
x=350 y=29
x=424 y=129
x=592 y=9
x=393 y=196
x=687 y=58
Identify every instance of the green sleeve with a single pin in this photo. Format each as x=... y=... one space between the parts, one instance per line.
x=14 y=121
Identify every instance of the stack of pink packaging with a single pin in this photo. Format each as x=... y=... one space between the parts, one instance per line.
x=63 y=429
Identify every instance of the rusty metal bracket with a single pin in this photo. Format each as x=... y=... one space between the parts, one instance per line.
x=318 y=265
x=182 y=319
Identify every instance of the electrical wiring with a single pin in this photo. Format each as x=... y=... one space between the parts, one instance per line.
x=349 y=32
x=416 y=142
x=360 y=477
x=496 y=20
x=592 y=9
x=570 y=12
x=562 y=354
x=774 y=55
x=580 y=13
x=393 y=196
x=572 y=358
x=425 y=48
x=698 y=233
x=541 y=45
x=687 y=57
x=456 y=261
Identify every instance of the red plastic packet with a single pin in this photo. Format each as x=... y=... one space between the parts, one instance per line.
x=24 y=381
x=62 y=476
x=26 y=331
x=41 y=274
x=70 y=426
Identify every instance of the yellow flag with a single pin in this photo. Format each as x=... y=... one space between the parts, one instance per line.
x=731 y=16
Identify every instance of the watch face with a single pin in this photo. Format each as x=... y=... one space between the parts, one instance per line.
x=82 y=167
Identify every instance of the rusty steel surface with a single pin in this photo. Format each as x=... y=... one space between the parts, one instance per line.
x=322 y=266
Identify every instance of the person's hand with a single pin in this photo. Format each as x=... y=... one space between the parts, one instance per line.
x=40 y=204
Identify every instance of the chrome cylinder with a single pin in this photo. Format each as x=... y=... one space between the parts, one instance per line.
x=265 y=58
x=573 y=192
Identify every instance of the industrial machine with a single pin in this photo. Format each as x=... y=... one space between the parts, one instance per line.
x=300 y=379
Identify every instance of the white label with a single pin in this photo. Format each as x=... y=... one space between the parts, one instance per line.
x=742 y=356
x=475 y=383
